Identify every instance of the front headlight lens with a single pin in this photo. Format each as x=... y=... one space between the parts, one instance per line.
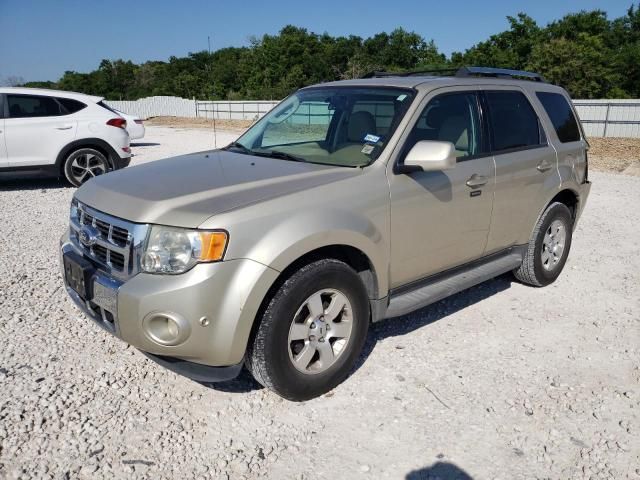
x=175 y=250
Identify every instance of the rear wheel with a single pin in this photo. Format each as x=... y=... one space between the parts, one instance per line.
x=311 y=332
x=84 y=164
x=548 y=248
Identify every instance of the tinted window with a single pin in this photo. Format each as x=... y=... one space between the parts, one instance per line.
x=561 y=116
x=70 y=105
x=451 y=117
x=21 y=106
x=514 y=123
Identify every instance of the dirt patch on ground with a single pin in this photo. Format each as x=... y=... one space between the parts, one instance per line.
x=613 y=154
x=181 y=122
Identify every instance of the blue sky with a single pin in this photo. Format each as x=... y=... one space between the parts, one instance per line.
x=39 y=40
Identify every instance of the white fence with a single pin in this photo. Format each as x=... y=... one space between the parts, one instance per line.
x=234 y=110
x=600 y=118
x=609 y=118
x=156 y=107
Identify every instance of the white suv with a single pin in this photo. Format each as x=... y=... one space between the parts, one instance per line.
x=60 y=133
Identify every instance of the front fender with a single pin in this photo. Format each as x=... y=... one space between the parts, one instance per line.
x=295 y=235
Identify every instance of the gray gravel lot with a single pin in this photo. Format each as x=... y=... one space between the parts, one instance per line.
x=501 y=381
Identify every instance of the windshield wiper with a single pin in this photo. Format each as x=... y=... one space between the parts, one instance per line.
x=267 y=153
x=279 y=154
x=239 y=146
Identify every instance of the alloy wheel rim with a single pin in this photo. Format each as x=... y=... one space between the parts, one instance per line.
x=320 y=331
x=553 y=245
x=87 y=166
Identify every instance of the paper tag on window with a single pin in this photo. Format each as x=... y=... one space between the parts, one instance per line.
x=371 y=138
x=367 y=149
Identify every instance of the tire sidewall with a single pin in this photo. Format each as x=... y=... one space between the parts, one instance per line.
x=69 y=160
x=286 y=379
x=560 y=212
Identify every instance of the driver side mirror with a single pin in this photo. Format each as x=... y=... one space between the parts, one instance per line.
x=429 y=156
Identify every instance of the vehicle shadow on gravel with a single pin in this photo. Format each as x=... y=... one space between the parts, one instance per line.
x=12 y=182
x=243 y=383
x=399 y=326
x=440 y=470
x=393 y=328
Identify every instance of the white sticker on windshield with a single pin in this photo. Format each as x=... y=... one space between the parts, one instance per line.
x=401 y=97
x=371 y=138
x=367 y=149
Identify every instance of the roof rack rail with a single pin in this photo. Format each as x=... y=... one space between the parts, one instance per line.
x=498 y=73
x=433 y=71
x=463 y=72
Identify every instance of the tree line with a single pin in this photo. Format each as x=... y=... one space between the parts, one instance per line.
x=589 y=54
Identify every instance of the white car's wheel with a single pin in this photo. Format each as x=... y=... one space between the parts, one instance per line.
x=84 y=164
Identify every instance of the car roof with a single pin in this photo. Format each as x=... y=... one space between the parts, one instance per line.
x=426 y=82
x=82 y=97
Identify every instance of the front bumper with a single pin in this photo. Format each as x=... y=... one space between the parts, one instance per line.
x=217 y=303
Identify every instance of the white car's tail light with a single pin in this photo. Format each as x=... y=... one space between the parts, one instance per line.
x=117 y=122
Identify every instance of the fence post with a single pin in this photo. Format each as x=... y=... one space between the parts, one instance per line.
x=606 y=120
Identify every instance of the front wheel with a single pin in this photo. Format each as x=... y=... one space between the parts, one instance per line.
x=548 y=248
x=84 y=164
x=311 y=332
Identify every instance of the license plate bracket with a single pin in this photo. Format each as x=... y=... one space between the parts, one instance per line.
x=78 y=273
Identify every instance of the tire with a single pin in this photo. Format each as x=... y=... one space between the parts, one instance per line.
x=84 y=164
x=548 y=248
x=281 y=355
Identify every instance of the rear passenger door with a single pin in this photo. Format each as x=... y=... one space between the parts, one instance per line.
x=36 y=129
x=526 y=166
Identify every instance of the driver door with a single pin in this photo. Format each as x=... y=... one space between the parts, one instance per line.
x=440 y=219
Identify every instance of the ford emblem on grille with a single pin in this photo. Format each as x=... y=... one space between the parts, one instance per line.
x=88 y=236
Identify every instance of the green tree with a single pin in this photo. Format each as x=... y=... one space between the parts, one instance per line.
x=565 y=62
x=585 y=52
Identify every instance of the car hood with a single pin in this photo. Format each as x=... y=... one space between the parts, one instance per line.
x=185 y=191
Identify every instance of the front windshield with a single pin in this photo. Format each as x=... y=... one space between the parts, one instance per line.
x=344 y=126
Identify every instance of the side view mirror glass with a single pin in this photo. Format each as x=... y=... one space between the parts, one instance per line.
x=428 y=155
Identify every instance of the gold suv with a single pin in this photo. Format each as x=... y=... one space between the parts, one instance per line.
x=348 y=203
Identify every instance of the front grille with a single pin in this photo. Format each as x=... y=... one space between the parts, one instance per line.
x=115 y=244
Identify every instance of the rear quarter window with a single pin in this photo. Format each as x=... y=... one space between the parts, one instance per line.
x=71 y=106
x=561 y=116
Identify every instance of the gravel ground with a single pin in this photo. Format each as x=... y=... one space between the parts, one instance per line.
x=501 y=381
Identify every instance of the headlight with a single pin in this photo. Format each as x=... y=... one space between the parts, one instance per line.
x=176 y=250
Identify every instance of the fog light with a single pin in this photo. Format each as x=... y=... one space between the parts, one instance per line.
x=165 y=328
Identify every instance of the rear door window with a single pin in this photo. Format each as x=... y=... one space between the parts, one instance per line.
x=513 y=121
x=561 y=116
x=28 y=106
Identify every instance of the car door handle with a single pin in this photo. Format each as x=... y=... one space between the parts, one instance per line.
x=543 y=166
x=66 y=127
x=476 y=181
